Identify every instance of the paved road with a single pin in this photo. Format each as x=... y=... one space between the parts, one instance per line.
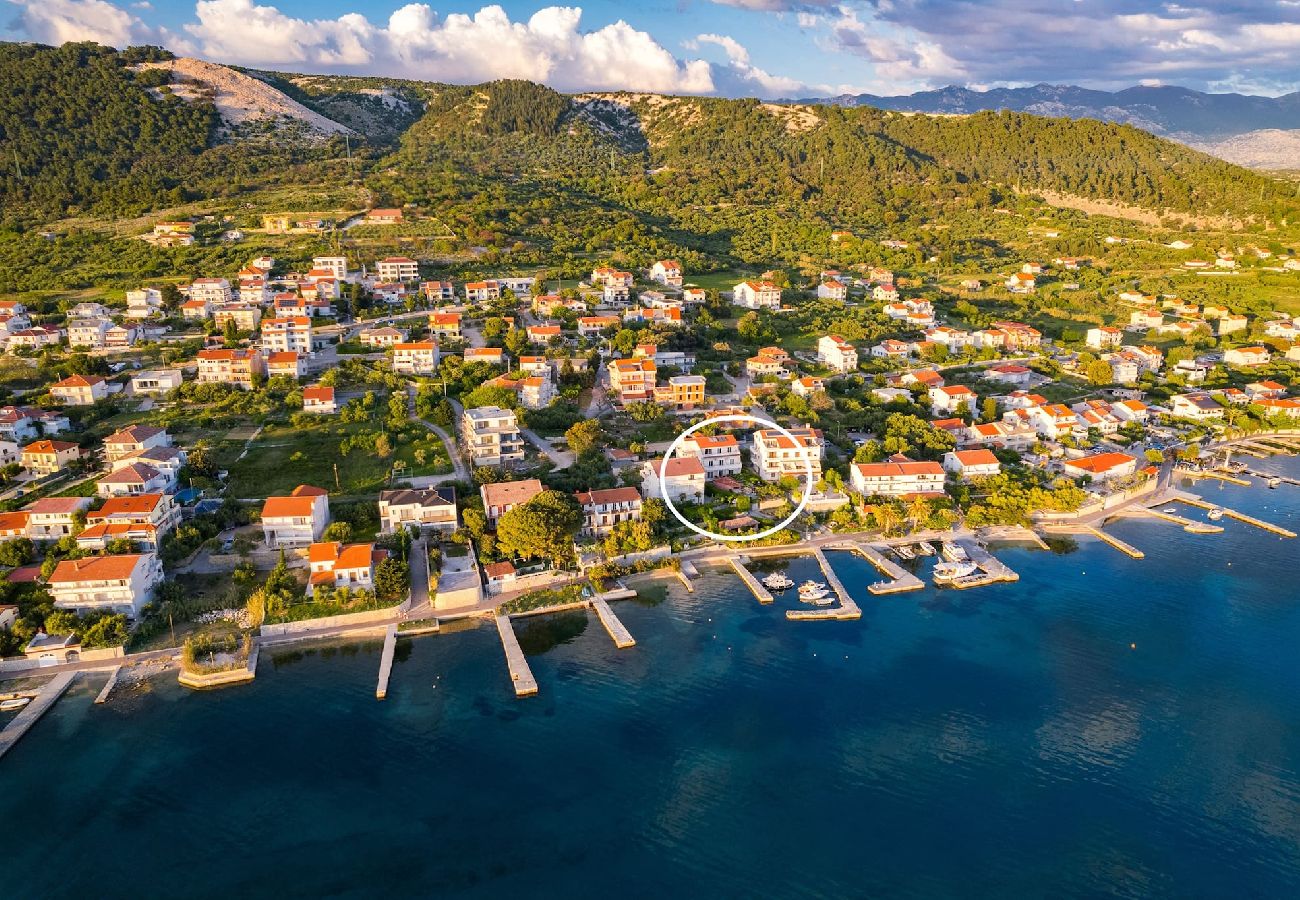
x=562 y=458
x=460 y=472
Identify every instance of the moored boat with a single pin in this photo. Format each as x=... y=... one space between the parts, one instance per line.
x=948 y=572
x=903 y=552
x=14 y=703
x=1215 y=514
x=814 y=592
x=953 y=552
x=925 y=548
x=778 y=581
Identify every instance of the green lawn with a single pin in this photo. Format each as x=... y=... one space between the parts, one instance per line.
x=283 y=457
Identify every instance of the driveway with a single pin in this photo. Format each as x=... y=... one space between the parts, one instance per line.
x=562 y=458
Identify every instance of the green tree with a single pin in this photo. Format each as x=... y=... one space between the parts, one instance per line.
x=542 y=528
x=1099 y=372
x=583 y=436
x=392 y=580
x=17 y=552
x=338 y=531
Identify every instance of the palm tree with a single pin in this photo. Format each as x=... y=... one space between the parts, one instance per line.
x=918 y=511
x=887 y=519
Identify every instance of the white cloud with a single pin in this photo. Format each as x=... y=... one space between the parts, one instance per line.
x=900 y=62
x=745 y=77
x=549 y=47
x=60 y=21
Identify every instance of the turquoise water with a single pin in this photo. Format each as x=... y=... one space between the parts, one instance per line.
x=1104 y=726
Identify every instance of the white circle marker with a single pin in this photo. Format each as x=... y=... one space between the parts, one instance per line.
x=736 y=417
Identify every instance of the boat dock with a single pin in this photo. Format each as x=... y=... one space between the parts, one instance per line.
x=108 y=685
x=1122 y=546
x=992 y=569
x=900 y=579
x=617 y=630
x=762 y=593
x=50 y=691
x=1269 y=476
x=1221 y=476
x=386 y=662
x=520 y=674
x=847 y=608
x=1189 y=525
x=1241 y=517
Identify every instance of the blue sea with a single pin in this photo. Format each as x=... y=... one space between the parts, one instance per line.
x=1105 y=726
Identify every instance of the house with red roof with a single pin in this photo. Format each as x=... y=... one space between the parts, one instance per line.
x=336 y=565
x=966 y=464
x=297 y=520
x=79 y=390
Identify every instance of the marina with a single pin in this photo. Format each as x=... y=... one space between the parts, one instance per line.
x=899 y=579
x=1105 y=536
x=847 y=609
x=1239 y=516
x=738 y=563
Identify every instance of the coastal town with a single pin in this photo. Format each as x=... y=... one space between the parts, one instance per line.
x=276 y=451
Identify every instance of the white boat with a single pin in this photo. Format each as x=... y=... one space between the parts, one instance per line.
x=953 y=552
x=15 y=703
x=925 y=548
x=1274 y=482
x=904 y=552
x=778 y=581
x=813 y=591
x=1215 y=514
x=947 y=572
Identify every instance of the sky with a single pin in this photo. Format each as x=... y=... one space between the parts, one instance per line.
x=764 y=48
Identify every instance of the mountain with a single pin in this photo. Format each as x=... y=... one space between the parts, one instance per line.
x=1239 y=127
x=90 y=130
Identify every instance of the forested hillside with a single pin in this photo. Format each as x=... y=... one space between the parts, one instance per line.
x=89 y=133
x=79 y=128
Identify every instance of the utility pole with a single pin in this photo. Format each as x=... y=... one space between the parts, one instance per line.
x=337 y=486
x=18 y=166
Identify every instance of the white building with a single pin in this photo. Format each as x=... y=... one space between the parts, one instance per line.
x=774 y=456
x=898 y=477
x=757 y=295
x=971 y=463
x=491 y=436
x=719 y=454
x=291 y=334
x=298 y=520
x=418 y=358
x=397 y=268
x=684 y=479
x=837 y=353
x=432 y=509
x=118 y=584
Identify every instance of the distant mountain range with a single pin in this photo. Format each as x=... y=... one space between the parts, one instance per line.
x=1263 y=132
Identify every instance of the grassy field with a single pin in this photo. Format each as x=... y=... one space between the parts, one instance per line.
x=719 y=281
x=283 y=457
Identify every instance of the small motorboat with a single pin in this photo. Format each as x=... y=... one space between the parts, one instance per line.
x=903 y=552
x=814 y=592
x=925 y=548
x=778 y=581
x=953 y=552
x=14 y=703
x=948 y=572
x=1274 y=482
x=1215 y=514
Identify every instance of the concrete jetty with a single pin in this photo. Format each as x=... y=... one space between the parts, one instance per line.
x=762 y=593
x=108 y=685
x=386 y=662
x=1122 y=546
x=847 y=609
x=899 y=579
x=1241 y=517
x=1189 y=525
x=617 y=630
x=51 y=691
x=520 y=674
x=992 y=569
x=1220 y=476
x=1269 y=476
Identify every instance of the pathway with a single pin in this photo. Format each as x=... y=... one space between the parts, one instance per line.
x=561 y=458
x=460 y=472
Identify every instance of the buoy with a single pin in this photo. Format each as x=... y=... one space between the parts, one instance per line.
x=1132 y=646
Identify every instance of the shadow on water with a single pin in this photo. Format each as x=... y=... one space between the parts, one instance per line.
x=548 y=632
x=650 y=595
x=1061 y=545
x=288 y=657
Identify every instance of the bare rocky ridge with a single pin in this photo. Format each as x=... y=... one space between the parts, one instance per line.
x=240 y=98
x=1269 y=148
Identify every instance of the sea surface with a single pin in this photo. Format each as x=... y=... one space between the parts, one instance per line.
x=1105 y=726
